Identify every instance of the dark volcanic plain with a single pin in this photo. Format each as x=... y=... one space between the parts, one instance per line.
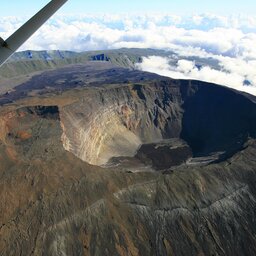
x=97 y=159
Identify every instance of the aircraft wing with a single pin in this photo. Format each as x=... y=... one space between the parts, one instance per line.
x=8 y=47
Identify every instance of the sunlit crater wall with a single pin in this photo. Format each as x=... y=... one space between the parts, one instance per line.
x=116 y=121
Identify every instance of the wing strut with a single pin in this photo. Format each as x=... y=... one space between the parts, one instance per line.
x=9 y=46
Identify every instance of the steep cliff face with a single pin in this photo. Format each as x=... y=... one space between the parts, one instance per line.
x=115 y=121
x=216 y=119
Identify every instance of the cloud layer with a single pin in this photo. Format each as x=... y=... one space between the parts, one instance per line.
x=240 y=77
x=229 y=41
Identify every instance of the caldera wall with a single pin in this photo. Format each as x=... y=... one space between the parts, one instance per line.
x=115 y=121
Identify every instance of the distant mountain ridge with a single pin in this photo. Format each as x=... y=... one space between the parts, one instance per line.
x=41 y=55
x=107 y=55
x=26 y=62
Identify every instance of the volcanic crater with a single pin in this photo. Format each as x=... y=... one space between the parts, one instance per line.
x=178 y=156
x=159 y=124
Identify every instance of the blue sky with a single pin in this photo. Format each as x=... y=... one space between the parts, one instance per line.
x=22 y=7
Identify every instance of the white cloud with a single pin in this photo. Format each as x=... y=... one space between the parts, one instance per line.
x=186 y=69
x=215 y=34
